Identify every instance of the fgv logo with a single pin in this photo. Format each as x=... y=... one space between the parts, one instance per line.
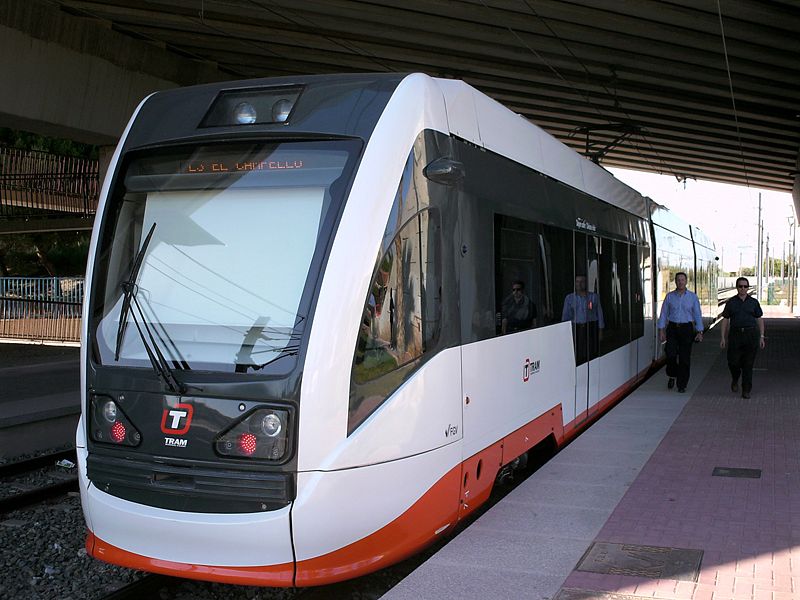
x=529 y=368
x=176 y=421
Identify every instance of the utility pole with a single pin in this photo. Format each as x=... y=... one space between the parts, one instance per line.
x=792 y=261
x=758 y=252
x=783 y=263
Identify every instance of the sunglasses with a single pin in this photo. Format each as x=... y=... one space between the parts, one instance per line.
x=742 y=286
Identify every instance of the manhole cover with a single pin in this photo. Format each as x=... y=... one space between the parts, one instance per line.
x=733 y=472
x=642 y=561
x=576 y=594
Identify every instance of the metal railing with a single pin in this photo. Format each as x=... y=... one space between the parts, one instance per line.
x=41 y=308
x=33 y=182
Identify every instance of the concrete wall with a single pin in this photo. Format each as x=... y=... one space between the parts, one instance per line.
x=72 y=77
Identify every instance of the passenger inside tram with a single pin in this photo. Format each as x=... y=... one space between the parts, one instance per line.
x=583 y=308
x=518 y=310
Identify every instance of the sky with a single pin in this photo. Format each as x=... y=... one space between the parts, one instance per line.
x=728 y=214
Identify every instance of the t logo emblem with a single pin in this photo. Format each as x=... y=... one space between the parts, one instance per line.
x=182 y=413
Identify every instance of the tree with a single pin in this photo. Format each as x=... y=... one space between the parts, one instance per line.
x=25 y=140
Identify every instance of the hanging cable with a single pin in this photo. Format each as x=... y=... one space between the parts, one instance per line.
x=586 y=98
x=602 y=85
x=351 y=48
x=733 y=98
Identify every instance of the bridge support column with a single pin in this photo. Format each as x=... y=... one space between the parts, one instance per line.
x=793 y=286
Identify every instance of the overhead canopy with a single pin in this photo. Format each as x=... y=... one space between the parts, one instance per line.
x=694 y=88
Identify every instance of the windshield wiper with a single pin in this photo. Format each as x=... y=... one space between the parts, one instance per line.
x=128 y=291
x=157 y=359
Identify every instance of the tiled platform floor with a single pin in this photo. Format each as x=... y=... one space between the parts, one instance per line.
x=643 y=475
x=748 y=529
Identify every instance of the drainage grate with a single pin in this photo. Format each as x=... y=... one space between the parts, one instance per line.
x=655 y=562
x=734 y=472
x=576 y=594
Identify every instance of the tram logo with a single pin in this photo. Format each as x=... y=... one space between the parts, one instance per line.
x=529 y=368
x=176 y=421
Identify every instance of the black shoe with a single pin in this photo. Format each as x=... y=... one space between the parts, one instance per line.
x=746 y=395
x=681 y=390
x=670 y=383
x=734 y=386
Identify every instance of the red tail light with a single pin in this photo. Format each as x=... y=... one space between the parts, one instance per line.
x=247 y=443
x=118 y=432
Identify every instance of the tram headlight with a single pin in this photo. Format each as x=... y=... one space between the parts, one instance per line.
x=281 y=110
x=244 y=113
x=261 y=434
x=252 y=106
x=110 y=411
x=271 y=425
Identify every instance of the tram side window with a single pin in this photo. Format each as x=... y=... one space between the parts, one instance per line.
x=518 y=268
x=401 y=316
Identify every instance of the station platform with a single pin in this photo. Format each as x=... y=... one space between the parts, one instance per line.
x=692 y=496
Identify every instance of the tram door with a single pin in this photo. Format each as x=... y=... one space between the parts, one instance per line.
x=586 y=315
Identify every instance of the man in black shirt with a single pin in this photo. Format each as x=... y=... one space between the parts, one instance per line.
x=742 y=316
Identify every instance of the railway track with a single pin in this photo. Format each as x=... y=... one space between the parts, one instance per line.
x=145 y=587
x=15 y=470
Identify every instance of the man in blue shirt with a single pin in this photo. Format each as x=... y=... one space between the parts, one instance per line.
x=742 y=318
x=679 y=324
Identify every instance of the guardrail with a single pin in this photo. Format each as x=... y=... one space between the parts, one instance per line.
x=41 y=308
x=725 y=294
x=33 y=182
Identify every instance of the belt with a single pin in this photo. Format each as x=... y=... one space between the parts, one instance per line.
x=743 y=329
x=676 y=323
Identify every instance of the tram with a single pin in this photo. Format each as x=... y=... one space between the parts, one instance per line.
x=297 y=363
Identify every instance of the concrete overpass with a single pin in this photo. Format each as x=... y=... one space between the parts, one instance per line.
x=708 y=89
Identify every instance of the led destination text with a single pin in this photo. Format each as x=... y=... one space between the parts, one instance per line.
x=233 y=167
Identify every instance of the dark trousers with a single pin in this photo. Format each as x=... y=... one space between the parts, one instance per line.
x=742 y=350
x=680 y=337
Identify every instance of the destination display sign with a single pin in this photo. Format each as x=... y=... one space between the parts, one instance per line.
x=227 y=165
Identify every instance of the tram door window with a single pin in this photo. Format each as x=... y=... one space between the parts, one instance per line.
x=400 y=320
x=583 y=305
x=637 y=260
x=615 y=300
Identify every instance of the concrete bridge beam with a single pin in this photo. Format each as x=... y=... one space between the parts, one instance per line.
x=72 y=77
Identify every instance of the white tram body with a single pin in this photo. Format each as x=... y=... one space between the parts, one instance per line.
x=222 y=439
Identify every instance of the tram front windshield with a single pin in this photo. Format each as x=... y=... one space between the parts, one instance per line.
x=219 y=285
